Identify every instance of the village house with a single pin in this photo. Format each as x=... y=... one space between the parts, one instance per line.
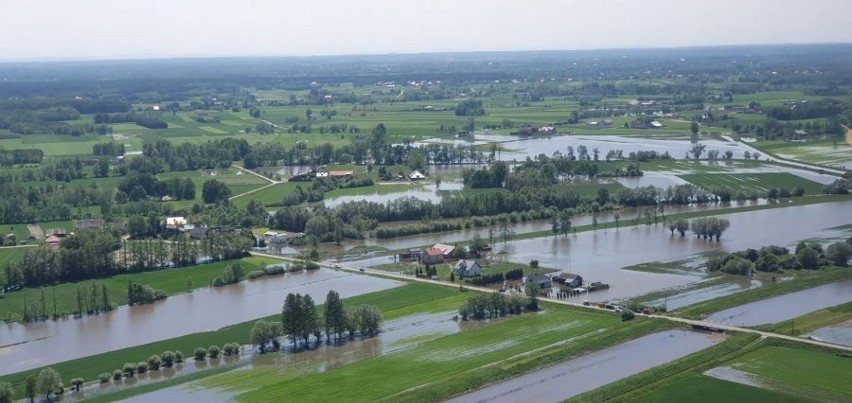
x=416 y=176
x=467 y=268
x=432 y=256
x=568 y=280
x=59 y=233
x=543 y=282
x=410 y=254
x=272 y=237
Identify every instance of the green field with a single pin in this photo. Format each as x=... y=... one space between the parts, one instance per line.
x=11 y=255
x=702 y=388
x=444 y=366
x=172 y=281
x=757 y=182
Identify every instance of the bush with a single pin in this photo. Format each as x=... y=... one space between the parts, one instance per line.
x=141 y=367
x=129 y=369
x=274 y=269
x=200 y=354
x=627 y=315
x=178 y=356
x=231 y=349
x=76 y=383
x=167 y=359
x=116 y=375
x=213 y=351
x=256 y=274
x=154 y=363
x=104 y=377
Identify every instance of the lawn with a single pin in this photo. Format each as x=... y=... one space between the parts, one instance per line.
x=172 y=281
x=11 y=255
x=756 y=182
x=270 y=195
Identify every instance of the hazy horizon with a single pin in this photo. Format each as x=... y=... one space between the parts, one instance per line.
x=55 y=30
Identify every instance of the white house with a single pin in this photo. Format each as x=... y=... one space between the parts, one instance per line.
x=467 y=268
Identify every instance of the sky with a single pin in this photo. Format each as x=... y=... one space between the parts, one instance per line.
x=119 y=29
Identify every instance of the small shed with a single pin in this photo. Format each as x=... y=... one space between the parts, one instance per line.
x=416 y=176
x=543 y=282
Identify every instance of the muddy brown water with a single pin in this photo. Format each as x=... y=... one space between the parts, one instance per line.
x=787 y=306
x=571 y=378
x=38 y=344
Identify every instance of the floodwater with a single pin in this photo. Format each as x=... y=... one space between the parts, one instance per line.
x=840 y=333
x=38 y=344
x=695 y=296
x=787 y=306
x=183 y=394
x=450 y=237
x=571 y=378
x=599 y=256
x=531 y=147
x=428 y=192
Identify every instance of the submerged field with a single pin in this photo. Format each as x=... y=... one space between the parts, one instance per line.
x=753 y=182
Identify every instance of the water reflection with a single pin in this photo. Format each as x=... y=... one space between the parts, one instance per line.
x=37 y=344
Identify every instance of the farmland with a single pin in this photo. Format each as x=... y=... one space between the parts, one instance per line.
x=759 y=182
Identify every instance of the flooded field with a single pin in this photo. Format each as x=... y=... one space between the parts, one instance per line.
x=697 y=295
x=426 y=192
x=571 y=378
x=787 y=306
x=38 y=344
x=840 y=333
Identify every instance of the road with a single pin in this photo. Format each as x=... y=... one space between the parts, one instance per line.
x=798 y=164
x=725 y=327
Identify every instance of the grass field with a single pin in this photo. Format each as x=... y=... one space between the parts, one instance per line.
x=441 y=367
x=756 y=182
x=701 y=388
x=11 y=255
x=172 y=281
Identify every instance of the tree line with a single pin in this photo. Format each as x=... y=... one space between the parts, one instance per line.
x=776 y=259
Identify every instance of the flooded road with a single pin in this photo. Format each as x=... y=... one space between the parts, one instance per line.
x=571 y=378
x=787 y=306
x=38 y=344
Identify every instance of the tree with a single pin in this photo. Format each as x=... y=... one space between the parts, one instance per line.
x=200 y=353
x=214 y=352
x=264 y=333
x=839 y=253
x=30 y=388
x=470 y=107
x=154 y=362
x=291 y=317
x=334 y=314
x=49 y=381
x=477 y=245
x=697 y=150
x=214 y=191
x=693 y=128
x=167 y=359
x=7 y=392
x=617 y=217
x=76 y=383
x=808 y=258
x=681 y=226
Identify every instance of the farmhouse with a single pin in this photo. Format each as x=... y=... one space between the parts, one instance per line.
x=273 y=237
x=57 y=232
x=568 y=279
x=416 y=176
x=445 y=249
x=432 y=256
x=410 y=254
x=175 y=222
x=467 y=268
x=543 y=282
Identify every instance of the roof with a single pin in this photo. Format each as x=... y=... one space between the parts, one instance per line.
x=416 y=175
x=445 y=249
x=466 y=264
x=88 y=224
x=53 y=239
x=567 y=276
x=175 y=221
x=341 y=173
x=434 y=252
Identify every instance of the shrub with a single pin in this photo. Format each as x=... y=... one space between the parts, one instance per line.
x=178 y=356
x=154 y=362
x=104 y=377
x=627 y=315
x=213 y=351
x=116 y=375
x=256 y=274
x=200 y=354
x=141 y=367
x=231 y=349
x=76 y=383
x=167 y=359
x=129 y=369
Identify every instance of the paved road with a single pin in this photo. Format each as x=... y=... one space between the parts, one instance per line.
x=397 y=276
